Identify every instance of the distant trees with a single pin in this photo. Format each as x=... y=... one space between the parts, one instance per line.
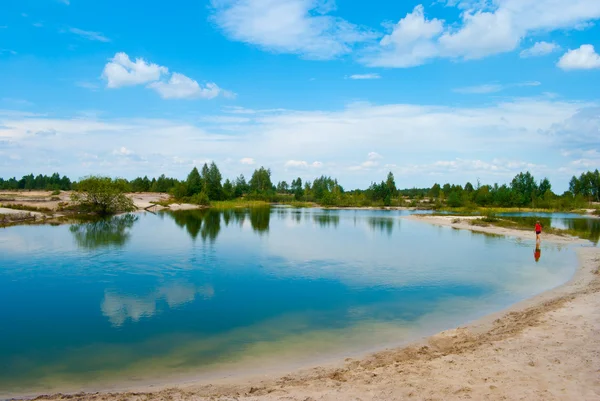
x=587 y=186
x=39 y=182
x=205 y=184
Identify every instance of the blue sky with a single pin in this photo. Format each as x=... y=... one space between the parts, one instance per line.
x=443 y=91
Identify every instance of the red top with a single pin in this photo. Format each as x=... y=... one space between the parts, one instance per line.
x=538 y=227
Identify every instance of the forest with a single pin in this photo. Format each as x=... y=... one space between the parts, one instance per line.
x=206 y=186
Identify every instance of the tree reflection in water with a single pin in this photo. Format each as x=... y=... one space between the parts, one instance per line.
x=104 y=233
x=206 y=223
x=383 y=224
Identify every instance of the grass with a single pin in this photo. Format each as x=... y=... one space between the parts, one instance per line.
x=238 y=203
x=28 y=208
x=526 y=226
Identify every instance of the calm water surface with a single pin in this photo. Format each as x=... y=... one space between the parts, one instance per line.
x=144 y=296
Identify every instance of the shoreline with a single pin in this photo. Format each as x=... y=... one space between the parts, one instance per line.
x=359 y=377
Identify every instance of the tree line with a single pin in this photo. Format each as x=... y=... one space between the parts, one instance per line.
x=207 y=184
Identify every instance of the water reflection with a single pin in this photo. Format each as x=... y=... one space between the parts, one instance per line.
x=326 y=220
x=119 y=308
x=260 y=218
x=104 y=233
x=587 y=228
x=538 y=252
x=203 y=222
x=383 y=224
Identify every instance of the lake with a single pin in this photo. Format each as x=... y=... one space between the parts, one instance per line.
x=172 y=295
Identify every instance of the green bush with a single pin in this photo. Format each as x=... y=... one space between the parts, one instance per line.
x=102 y=195
x=200 y=199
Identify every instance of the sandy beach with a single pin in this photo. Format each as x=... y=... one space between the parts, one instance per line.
x=545 y=348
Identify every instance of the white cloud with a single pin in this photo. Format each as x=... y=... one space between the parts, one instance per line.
x=37 y=24
x=493 y=88
x=289 y=26
x=8 y=51
x=365 y=76
x=410 y=42
x=374 y=156
x=97 y=36
x=123 y=151
x=121 y=71
x=485 y=28
x=584 y=58
x=539 y=49
x=314 y=142
x=247 y=160
x=181 y=87
x=302 y=164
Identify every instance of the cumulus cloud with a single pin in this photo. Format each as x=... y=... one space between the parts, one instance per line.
x=584 y=58
x=410 y=42
x=121 y=71
x=181 y=87
x=247 y=160
x=289 y=26
x=484 y=28
x=539 y=49
x=89 y=35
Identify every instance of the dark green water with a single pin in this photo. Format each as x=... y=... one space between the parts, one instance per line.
x=180 y=295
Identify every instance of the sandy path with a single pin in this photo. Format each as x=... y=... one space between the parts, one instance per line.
x=546 y=348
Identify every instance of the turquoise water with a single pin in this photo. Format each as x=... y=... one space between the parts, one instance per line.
x=176 y=295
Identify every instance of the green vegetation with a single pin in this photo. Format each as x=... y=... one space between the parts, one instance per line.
x=206 y=187
x=102 y=195
x=40 y=182
x=104 y=232
x=523 y=192
x=583 y=228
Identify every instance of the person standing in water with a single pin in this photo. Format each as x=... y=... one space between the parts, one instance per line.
x=538 y=230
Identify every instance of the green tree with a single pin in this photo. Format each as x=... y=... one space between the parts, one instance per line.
x=228 y=190
x=297 y=189
x=434 y=192
x=213 y=178
x=103 y=195
x=194 y=182
x=241 y=186
x=524 y=188
x=260 y=183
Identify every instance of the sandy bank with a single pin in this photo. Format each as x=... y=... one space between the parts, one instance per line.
x=545 y=348
x=462 y=222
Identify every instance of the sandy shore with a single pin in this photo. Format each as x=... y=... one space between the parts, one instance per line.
x=545 y=348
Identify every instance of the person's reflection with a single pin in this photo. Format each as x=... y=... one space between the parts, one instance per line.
x=538 y=252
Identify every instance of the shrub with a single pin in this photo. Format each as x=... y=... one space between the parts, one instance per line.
x=200 y=199
x=102 y=195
